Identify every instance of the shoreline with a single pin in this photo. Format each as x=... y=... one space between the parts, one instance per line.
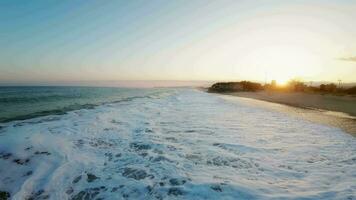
x=342 y=104
x=312 y=107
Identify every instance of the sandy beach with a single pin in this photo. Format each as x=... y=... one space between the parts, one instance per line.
x=338 y=111
x=345 y=104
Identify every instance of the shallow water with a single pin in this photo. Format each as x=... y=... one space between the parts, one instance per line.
x=176 y=144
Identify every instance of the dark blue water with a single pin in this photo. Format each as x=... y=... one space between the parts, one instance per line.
x=19 y=103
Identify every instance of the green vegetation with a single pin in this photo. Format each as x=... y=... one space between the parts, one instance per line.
x=292 y=86
x=235 y=86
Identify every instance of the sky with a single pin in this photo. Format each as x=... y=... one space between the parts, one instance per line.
x=85 y=40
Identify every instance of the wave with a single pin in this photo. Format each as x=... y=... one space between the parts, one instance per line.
x=189 y=145
x=67 y=109
x=48 y=112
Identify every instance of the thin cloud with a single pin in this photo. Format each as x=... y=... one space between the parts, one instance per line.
x=352 y=59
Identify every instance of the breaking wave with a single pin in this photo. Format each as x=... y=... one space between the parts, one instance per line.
x=175 y=144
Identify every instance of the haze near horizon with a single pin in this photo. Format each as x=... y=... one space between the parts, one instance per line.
x=64 y=41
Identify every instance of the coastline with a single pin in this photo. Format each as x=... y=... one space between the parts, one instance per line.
x=343 y=104
x=336 y=111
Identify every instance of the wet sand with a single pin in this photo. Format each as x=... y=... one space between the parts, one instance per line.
x=337 y=111
x=345 y=104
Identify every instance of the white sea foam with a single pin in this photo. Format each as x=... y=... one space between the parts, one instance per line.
x=181 y=143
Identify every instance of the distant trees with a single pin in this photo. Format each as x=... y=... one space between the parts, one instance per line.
x=351 y=90
x=293 y=85
x=225 y=87
x=235 y=86
x=296 y=85
x=328 y=87
x=299 y=86
x=250 y=86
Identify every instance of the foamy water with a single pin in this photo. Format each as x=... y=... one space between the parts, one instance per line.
x=176 y=144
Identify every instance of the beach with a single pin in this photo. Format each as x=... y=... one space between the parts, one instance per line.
x=172 y=144
x=181 y=100
x=345 y=104
x=337 y=111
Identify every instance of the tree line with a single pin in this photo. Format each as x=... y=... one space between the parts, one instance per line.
x=291 y=86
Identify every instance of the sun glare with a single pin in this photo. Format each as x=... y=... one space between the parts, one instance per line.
x=282 y=81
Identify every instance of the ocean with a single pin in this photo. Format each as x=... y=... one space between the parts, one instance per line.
x=164 y=143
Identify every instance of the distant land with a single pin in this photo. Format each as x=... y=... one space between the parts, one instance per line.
x=291 y=86
x=326 y=96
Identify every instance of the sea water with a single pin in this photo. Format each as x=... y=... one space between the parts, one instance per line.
x=114 y=143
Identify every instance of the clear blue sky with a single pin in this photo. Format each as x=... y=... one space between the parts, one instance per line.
x=177 y=40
